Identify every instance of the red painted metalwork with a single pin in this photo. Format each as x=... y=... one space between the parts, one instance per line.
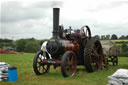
x=78 y=37
x=51 y=62
x=69 y=45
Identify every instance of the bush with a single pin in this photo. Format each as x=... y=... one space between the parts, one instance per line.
x=20 y=45
x=27 y=45
x=32 y=46
x=124 y=47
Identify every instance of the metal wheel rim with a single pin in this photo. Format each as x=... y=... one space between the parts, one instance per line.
x=70 y=65
x=96 y=56
x=42 y=68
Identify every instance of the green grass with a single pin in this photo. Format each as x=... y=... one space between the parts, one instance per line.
x=120 y=40
x=26 y=76
x=119 y=44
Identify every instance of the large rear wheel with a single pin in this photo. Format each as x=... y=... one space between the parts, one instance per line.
x=93 y=55
x=69 y=64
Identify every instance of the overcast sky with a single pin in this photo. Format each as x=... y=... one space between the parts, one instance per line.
x=34 y=18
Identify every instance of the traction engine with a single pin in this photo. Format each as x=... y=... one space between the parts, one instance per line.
x=68 y=48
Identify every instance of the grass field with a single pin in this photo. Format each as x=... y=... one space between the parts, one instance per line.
x=119 y=44
x=26 y=76
x=119 y=40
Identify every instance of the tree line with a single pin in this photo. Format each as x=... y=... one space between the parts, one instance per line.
x=29 y=45
x=32 y=45
x=110 y=37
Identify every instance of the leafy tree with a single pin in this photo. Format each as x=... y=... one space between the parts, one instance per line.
x=122 y=37
x=124 y=47
x=103 y=37
x=32 y=46
x=126 y=37
x=97 y=37
x=1 y=45
x=107 y=37
x=27 y=45
x=5 y=40
x=114 y=37
x=20 y=45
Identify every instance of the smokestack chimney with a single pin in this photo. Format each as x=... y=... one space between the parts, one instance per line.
x=56 y=23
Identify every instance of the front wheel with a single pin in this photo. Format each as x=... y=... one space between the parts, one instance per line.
x=38 y=67
x=69 y=64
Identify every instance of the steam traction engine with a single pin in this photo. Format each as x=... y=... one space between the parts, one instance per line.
x=68 y=48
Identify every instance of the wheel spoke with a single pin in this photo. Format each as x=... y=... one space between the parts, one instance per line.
x=95 y=51
x=44 y=69
x=86 y=32
x=38 y=64
x=69 y=68
x=72 y=60
x=38 y=68
x=68 y=62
